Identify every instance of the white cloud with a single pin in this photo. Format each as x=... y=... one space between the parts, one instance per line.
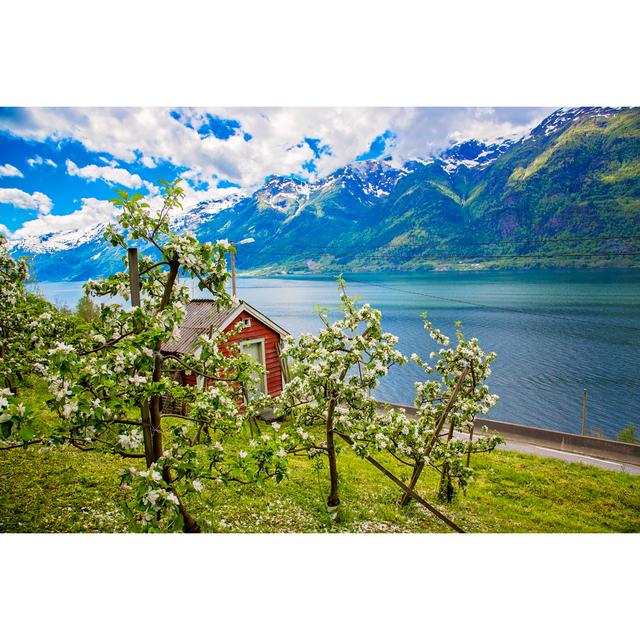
x=91 y=213
x=148 y=162
x=38 y=160
x=5 y=231
x=111 y=163
x=152 y=135
x=94 y=212
x=109 y=174
x=35 y=201
x=9 y=171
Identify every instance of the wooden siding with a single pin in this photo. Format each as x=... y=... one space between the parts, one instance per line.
x=256 y=331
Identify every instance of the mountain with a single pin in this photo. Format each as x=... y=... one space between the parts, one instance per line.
x=561 y=195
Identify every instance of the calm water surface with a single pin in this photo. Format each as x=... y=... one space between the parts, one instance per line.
x=555 y=333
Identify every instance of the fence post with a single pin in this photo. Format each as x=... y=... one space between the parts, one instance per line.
x=134 y=284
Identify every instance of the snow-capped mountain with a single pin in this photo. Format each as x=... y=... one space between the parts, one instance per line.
x=368 y=182
x=461 y=194
x=283 y=193
x=203 y=211
x=55 y=241
x=367 y=179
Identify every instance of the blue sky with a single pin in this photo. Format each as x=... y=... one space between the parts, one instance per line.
x=60 y=166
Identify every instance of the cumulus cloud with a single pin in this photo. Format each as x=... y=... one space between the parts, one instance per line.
x=35 y=201
x=91 y=213
x=9 y=171
x=244 y=145
x=109 y=174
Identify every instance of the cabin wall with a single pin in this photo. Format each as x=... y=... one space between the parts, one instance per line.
x=256 y=331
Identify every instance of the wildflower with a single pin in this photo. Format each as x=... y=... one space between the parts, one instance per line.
x=281 y=453
x=61 y=347
x=69 y=409
x=197 y=485
x=172 y=497
x=151 y=497
x=242 y=454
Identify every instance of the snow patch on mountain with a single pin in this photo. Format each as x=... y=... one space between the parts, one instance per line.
x=561 y=118
x=283 y=193
x=473 y=154
x=203 y=212
x=59 y=240
x=367 y=180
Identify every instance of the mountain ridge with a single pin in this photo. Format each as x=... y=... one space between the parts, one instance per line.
x=576 y=174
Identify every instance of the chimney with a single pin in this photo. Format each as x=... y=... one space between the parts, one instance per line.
x=234 y=289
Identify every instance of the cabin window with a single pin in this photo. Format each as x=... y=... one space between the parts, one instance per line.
x=246 y=322
x=255 y=349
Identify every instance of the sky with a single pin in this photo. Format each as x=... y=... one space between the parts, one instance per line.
x=60 y=166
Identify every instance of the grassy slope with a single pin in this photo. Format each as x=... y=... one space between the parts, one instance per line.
x=68 y=490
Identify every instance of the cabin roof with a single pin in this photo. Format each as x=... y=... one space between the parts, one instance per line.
x=203 y=314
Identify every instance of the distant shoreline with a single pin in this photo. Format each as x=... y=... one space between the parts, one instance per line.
x=332 y=274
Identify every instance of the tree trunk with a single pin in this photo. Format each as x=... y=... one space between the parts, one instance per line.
x=190 y=523
x=154 y=404
x=446 y=490
x=156 y=412
x=334 y=499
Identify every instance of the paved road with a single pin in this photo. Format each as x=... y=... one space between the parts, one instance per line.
x=522 y=445
x=546 y=452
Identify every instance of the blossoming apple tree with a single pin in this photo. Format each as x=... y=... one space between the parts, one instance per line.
x=330 y=394
x=111 y=379
x=441 y=434
x=28 y=323
x=335 y=374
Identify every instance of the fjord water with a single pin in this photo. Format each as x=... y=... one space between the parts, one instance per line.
x=555 y=333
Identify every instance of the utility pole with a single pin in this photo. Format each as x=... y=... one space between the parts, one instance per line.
x=134 y=285
x=234 y=289
x=584 y=411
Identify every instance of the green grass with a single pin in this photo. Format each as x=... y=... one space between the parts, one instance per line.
x=66 y=490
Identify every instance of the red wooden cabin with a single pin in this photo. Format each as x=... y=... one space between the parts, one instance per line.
x=260 y=337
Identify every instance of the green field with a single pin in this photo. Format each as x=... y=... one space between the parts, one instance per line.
x=66 y=490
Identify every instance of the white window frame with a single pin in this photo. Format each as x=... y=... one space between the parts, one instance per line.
x=200 y=382
x=262 y=343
